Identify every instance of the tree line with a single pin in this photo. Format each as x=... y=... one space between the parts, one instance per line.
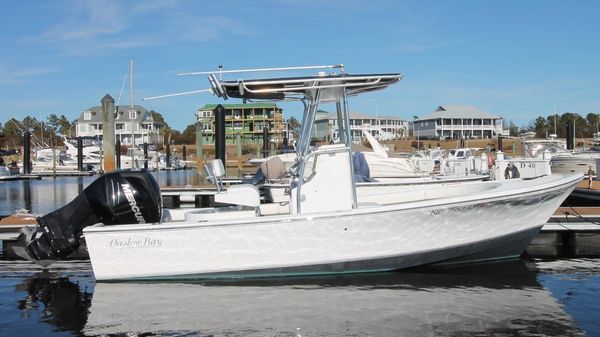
x=585 y=127
x=43 y=133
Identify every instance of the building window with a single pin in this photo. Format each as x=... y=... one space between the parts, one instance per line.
x=87 y=115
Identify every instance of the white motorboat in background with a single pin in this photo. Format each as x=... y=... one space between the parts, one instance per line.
x=326 y=225
x=382 y=165
x=563 y=160
x=576 y=161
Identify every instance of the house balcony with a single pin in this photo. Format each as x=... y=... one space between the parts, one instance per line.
x=465 y=126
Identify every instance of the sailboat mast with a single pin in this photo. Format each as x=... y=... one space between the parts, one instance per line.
x=555 y=118
x=131 y=105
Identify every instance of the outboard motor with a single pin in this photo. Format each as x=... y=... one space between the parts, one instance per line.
x=115 y=198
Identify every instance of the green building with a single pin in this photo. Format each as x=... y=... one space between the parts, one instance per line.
x=247 y=120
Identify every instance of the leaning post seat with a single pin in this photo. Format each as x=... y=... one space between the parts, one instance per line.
x=236 y=194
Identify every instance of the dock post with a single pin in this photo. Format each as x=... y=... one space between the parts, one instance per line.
x=238 y=147
x=184 y=152
x=79 y=154
x=570 y=136
x=500 y=143
x=199 y=149
x=168 y=156
x=265 y=140
x=118 y=153
x=53 y=161
x=27 y=152
x=219 y=114
x=145 y=156
x=108 y=133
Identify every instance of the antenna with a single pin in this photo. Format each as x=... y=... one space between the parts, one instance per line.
x=221 y=71
x=177 y=94
x=121 y=92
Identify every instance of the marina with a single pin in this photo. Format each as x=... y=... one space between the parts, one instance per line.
x=559 y=289
x=301 y=169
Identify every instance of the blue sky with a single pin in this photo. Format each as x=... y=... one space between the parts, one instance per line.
x=512 y=58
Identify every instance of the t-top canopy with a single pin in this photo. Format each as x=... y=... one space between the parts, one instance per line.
x=331 y=86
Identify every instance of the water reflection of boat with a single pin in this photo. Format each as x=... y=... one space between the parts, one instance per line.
x=505 y=299
x=60 y=299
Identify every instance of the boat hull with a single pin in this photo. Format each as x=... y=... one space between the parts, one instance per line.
x=367 y=239
x=580 y=162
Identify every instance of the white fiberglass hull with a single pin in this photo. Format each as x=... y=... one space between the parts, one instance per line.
x=581 y=162
x=496 y=222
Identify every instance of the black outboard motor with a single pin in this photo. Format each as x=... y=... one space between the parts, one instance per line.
x=120 y=197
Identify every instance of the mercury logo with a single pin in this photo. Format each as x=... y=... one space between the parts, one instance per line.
x=132 y=203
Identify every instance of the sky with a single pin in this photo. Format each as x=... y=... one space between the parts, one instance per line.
x=515 y=58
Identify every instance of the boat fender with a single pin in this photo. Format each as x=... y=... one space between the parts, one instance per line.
x=511 y=172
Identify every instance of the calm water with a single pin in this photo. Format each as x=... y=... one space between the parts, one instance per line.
x=520 y=298
x=48 y=194
x=558 y=298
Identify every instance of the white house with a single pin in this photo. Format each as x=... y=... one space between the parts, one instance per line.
x=137 y=123
x=458 y=121
x=381 y=127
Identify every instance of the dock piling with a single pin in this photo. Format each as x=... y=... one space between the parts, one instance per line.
x=145 y=156
x=219 y=113
x=27 y=152
x=118 y=153
x=108 y=133
x=199 y=149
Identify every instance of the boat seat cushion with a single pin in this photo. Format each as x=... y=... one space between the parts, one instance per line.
x=273 y=168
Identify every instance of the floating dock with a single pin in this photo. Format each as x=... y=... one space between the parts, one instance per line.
x=570 y=232
x=21 y=177
x=70 y=173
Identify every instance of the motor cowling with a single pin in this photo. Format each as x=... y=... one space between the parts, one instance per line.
x=115 y=198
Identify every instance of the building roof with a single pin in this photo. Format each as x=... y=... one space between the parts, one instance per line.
x=321 y=114
x=121 y=116
x=240 y=106
x=458 y=111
